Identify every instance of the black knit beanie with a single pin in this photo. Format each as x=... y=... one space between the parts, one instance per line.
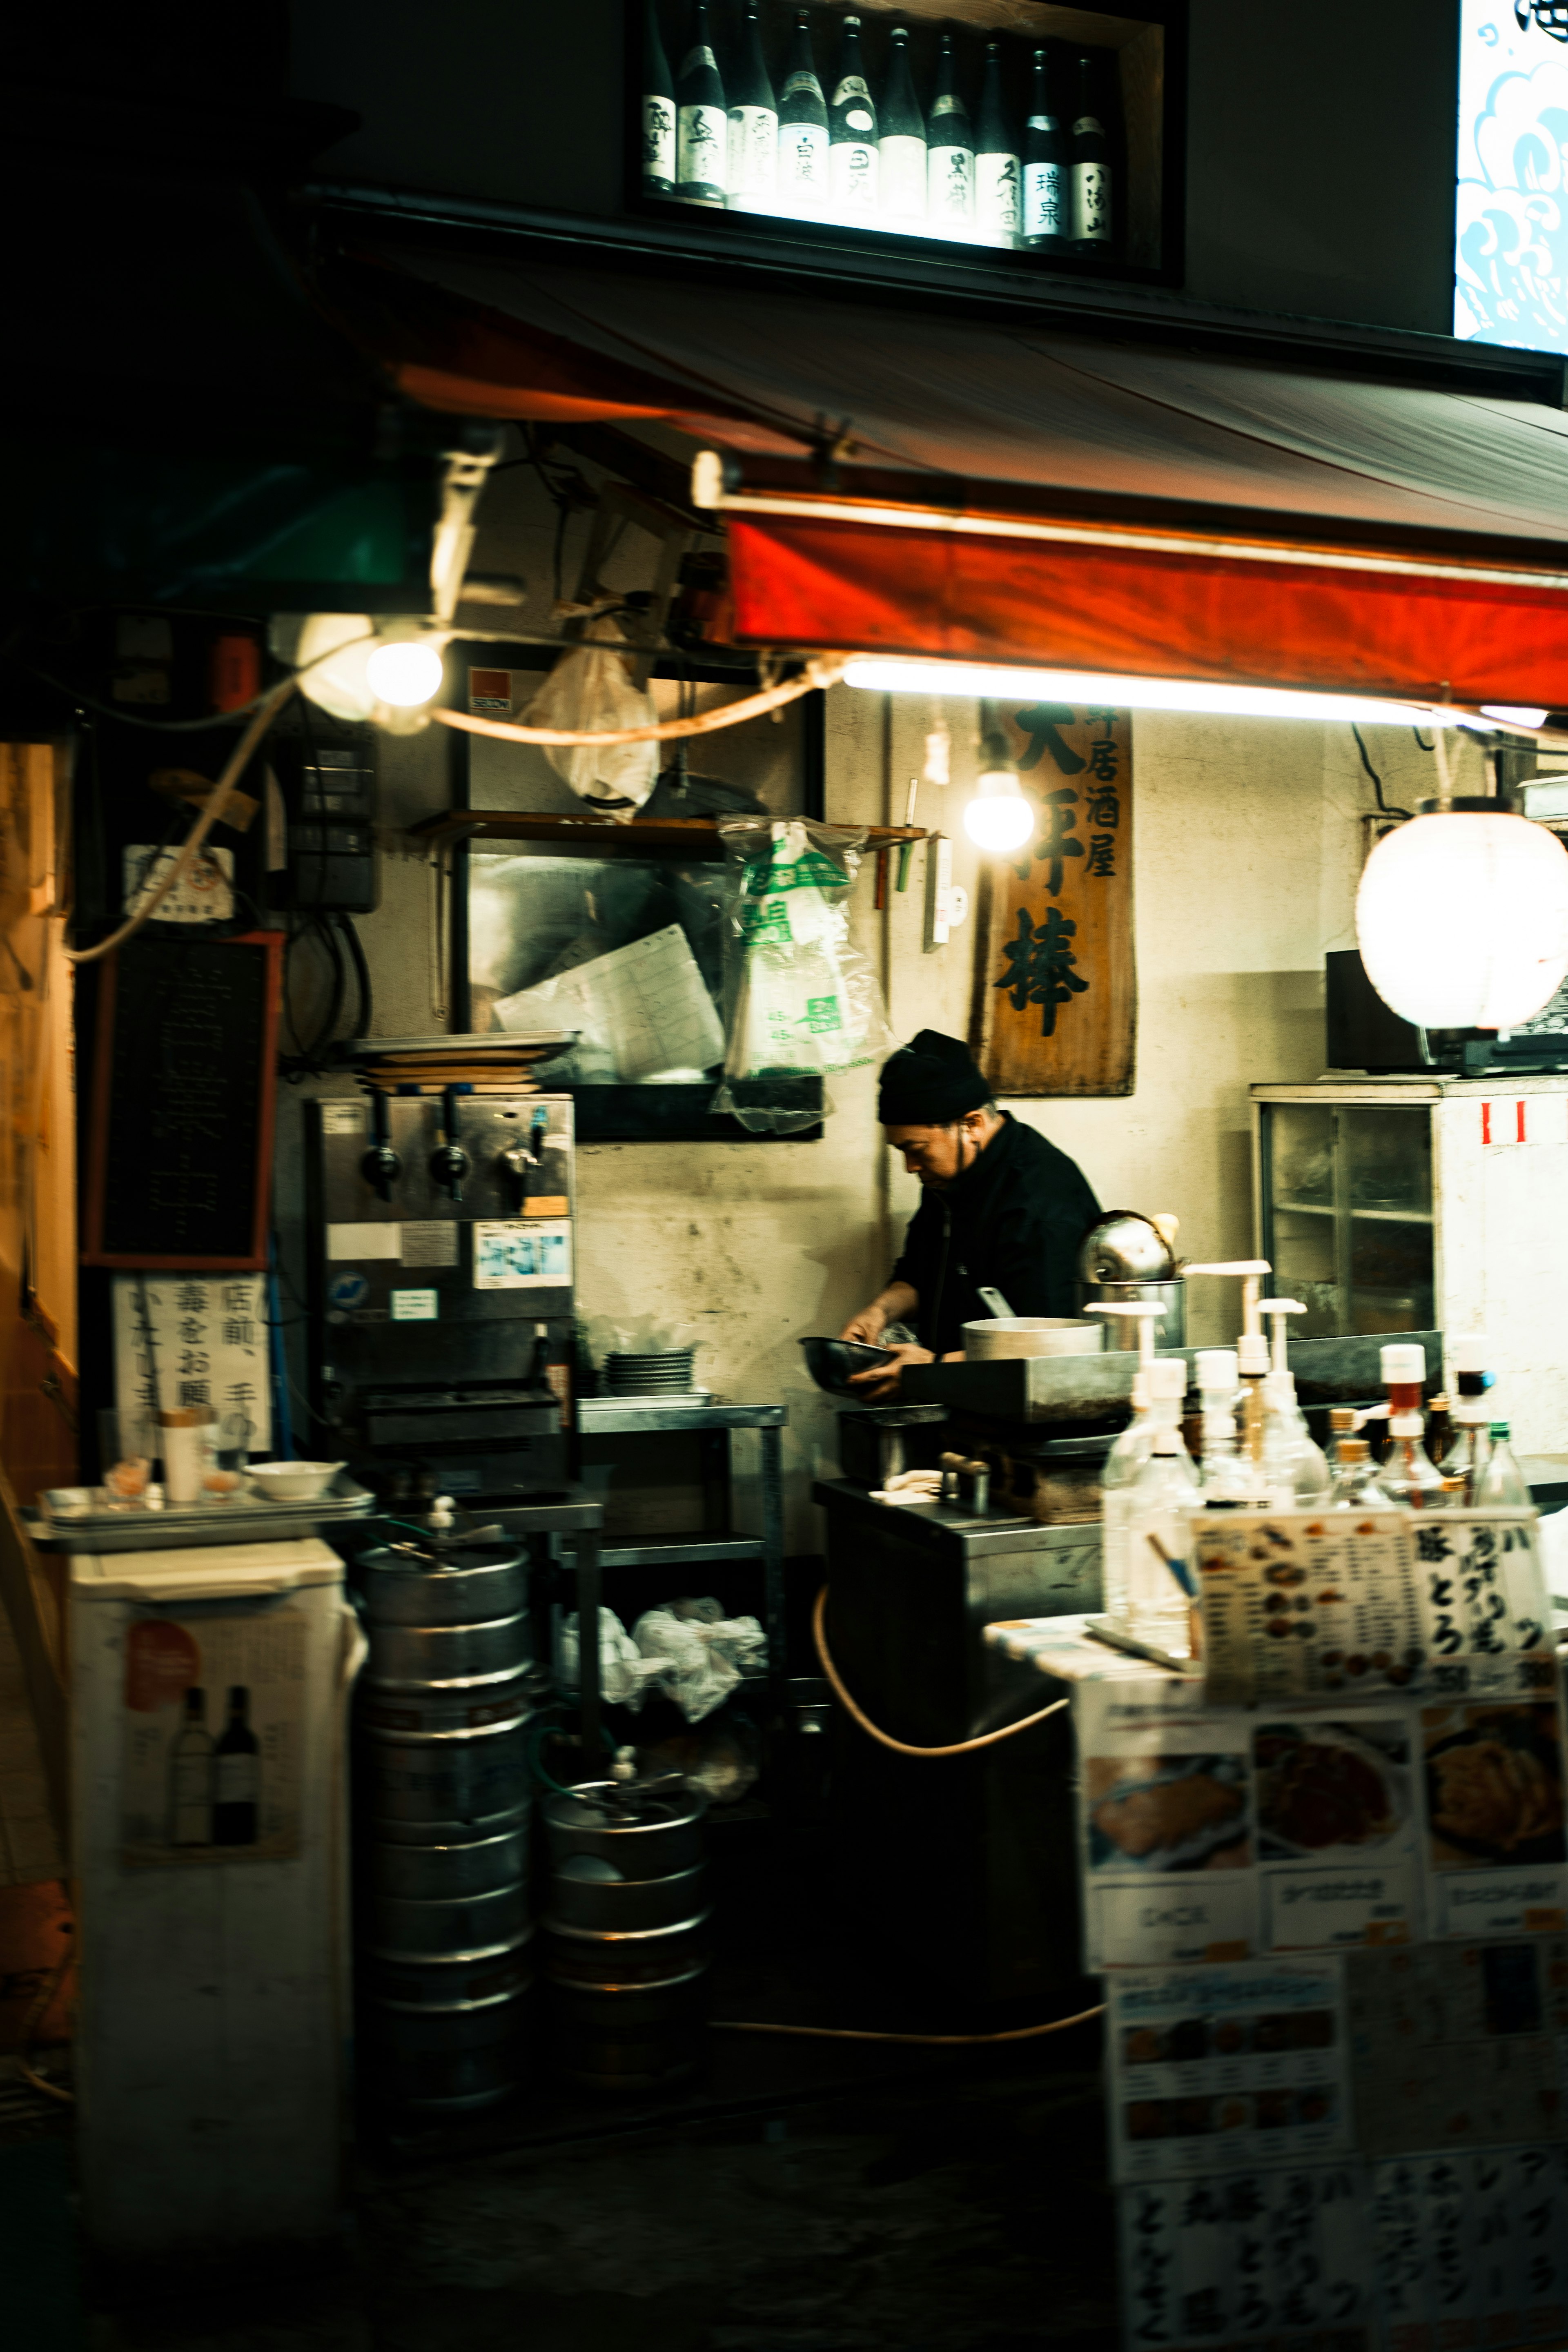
x=930 y=1083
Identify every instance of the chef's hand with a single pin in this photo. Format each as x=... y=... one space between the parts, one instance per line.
x=880 y=1383
x=868 y=1326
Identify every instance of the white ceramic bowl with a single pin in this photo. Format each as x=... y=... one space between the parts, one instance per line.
x=293 y=1482
x=1032 y=1335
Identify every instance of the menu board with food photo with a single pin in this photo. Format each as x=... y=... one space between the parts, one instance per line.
x=1212 y=2068
x=1338 y=1836
x=1495 y=1844
x=1169 y=1838
x=1215 y=1835
x=1458 y=2045
x=1301 y=1604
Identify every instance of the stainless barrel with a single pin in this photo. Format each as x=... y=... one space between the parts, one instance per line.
x=442 y=1715
x=625 y=1949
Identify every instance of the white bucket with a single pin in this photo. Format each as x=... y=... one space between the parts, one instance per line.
x=1032 y=1335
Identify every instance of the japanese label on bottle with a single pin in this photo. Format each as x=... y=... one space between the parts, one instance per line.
x=996 y=206
x=701 y=149
x=903 y=177
x=852 y=178
x=803 y=161
x=658 y=139
x=1045 y=200
x=950 y=185
x=1091 y=202
x=753 y=155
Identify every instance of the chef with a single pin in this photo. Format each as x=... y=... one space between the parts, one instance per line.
x=1001 y=1209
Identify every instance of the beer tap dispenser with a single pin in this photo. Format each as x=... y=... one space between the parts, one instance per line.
x=381 y=1166
x=449 y=1162
x=520 y=1160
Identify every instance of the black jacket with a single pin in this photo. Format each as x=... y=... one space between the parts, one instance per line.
x=1014 y=1221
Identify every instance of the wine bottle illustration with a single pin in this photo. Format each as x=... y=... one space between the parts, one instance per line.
x=237 y=1781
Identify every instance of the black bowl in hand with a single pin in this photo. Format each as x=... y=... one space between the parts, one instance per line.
x=831 y=1361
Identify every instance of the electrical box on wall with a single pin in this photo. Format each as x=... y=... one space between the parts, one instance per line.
x=328 y=813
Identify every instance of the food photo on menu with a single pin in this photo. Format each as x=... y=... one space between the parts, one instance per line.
x=1169 y=1812
x=1331 y=1789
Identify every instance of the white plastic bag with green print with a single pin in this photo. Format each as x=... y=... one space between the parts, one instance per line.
x=801 y=1002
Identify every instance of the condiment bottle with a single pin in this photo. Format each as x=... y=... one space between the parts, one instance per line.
x=1251 y=1356
x=1298 y=1474
x=1469 y=1414
x=1127 y=1457
x=1356 y=1486
x=1502 y=1483
x=1407 y=1476
x=1229 y=1480
x=1341 y=1424
x=1160 y=1582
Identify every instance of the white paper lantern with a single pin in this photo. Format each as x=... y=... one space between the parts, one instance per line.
x=1462 y=917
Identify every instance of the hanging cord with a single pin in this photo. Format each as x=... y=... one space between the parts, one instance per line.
x=900 y=1747
x=926 y=2041
x=33 y=2021
x=361 y=973
x=212 y=808
x=821 y=671
x=1372 y=771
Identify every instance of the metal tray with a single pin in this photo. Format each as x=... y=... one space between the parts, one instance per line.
x=76 y=1518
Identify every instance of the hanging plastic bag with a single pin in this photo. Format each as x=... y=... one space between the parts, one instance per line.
x=801 y=1002
x=591 y=688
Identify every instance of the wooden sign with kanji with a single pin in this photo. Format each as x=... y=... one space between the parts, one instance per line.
x=1056 y=997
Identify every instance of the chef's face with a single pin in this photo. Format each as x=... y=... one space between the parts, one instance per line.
x=938 y=1155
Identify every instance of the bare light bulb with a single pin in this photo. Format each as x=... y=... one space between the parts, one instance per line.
x=404 y=672
x=999 y=817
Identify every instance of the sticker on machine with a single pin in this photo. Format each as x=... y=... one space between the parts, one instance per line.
x=512 y=1255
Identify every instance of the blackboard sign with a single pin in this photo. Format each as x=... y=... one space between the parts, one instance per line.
x=181 y=1154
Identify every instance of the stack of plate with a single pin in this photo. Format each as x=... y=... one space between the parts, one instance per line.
x=665 y=1373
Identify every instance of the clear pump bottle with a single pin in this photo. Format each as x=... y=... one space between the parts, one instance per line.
x=1125 y=1461
x=1228 y=1480
x=1164 y=1500
x=1297 y=1473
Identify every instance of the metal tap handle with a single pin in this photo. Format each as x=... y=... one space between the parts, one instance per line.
x=381 y=1166
x=449 y=1162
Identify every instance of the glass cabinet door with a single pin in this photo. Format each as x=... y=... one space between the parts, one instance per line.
x=1347 y=1213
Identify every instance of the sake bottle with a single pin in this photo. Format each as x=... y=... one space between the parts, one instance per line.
x=998 y=215
x=657 y=111
x=1090 y=152
x=902 y=139
x=949 y=154
x=803 y=131
x=852 y=131
x=753 y=125
x=702 y=122
x=1047 y=208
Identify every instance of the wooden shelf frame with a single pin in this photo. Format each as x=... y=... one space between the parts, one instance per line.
x=680 y=836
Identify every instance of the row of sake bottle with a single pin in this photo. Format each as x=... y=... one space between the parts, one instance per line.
x=877 y=161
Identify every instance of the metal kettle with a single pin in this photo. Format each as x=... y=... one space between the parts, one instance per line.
x=1128 y=1256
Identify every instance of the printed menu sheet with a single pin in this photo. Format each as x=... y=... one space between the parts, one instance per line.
x=1301 y=1604
x=1215 y=1833
x=1216 y=2068
x=1458 y=2045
